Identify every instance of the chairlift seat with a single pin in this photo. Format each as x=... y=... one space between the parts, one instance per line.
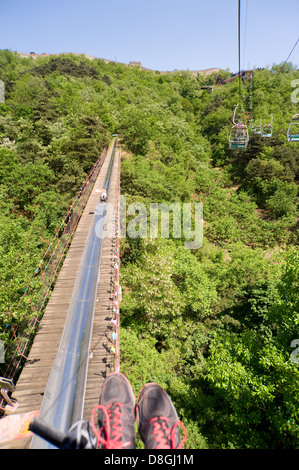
x=293 y=135
x=267 y=131
x=238 y=145
x=294 y=138
x=238 y=138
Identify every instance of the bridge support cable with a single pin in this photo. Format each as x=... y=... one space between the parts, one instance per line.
x=63 y=401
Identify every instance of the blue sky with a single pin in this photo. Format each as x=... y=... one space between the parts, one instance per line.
x=162 y=34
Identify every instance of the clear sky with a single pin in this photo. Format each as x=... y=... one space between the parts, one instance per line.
x=162 y=34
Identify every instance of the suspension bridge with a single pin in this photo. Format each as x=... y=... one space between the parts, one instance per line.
x=77 y=339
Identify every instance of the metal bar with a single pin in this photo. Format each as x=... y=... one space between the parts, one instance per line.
x=63 y=401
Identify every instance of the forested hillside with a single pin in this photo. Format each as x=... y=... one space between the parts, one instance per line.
x=213 y=325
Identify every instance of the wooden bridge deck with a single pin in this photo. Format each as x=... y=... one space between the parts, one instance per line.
x=34 y=377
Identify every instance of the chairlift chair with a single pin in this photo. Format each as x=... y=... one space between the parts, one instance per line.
x=258 y=128
x=267 y=130
x=238 y=136
x=293 y=129
x=252 y=125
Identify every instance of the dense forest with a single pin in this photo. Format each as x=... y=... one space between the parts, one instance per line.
x=213 y=325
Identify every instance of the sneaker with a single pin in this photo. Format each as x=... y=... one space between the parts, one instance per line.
x=157 y=419
x=116 y=414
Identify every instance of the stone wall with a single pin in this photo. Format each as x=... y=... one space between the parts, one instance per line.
x=194 y=73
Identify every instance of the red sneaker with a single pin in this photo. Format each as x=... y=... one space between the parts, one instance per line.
x=116 y=414
x=157 y=419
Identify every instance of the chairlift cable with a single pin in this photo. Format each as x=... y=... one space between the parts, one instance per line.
x=291 y=52
x=239 y=48
x=245 y=32
x=288 y=56
x=238 y=137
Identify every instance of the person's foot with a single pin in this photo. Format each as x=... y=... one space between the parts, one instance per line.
x=116 y=413
x=157 y=419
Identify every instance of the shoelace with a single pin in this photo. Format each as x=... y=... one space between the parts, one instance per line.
x=117 y=430
x=165 y=436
